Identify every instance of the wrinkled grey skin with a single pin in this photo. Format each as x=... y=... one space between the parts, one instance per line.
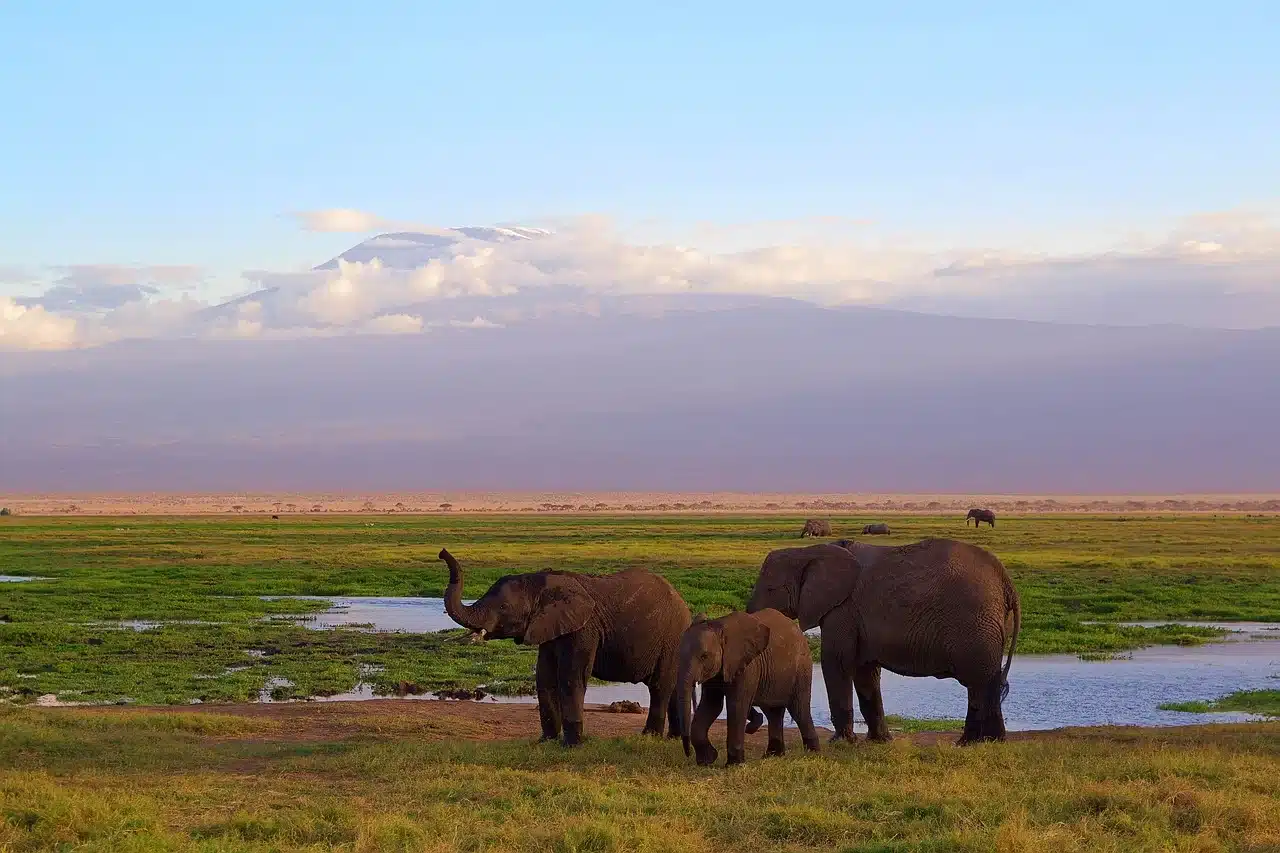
x=878 y=529
x=816 y=527
x=979 y=516
x=937 y=607
x=754 y=719
x=745 y=658
x=622 y=627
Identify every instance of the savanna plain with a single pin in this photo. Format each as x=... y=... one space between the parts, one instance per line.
x=141 y=618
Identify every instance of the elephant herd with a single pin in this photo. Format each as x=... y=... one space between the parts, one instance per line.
x=938 y=607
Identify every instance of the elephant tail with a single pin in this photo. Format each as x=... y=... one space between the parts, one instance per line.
x=1014 y=617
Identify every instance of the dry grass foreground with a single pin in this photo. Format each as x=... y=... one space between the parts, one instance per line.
x=619 y=502
x=430 y=776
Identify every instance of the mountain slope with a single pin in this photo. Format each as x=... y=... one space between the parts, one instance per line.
x=777 y=395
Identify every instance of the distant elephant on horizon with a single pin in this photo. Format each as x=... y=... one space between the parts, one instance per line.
x=979 y=516
x=878 y=529
x=935 y=608
x=816 y=527
x=621 y=627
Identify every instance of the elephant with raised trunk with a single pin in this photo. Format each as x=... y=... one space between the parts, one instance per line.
x=979 y=516
x=622 y=627
x=937 y=608
x=745 y=658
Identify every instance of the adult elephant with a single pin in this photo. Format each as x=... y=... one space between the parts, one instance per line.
x=937 y=608
x=622 y=627
x=979 y=516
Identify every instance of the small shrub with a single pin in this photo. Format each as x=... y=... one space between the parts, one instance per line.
x=5 y=511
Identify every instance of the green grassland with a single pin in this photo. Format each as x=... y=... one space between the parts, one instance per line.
x=130 y=782
x=1262 y=702
x=56 y=636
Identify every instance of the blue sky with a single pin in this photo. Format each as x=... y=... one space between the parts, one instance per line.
x=140 y=132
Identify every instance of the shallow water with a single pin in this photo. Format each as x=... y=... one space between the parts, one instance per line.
x=1238 y=627
x=413 y=615
x=1045 y=691
x=20 y=578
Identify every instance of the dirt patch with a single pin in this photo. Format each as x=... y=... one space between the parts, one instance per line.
x=482 y=721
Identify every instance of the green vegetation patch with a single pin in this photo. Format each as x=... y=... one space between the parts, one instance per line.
x=1263 y=702
x=76 y=780
x=203 y=579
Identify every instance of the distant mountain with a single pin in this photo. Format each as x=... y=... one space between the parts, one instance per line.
x=408 y=250
x=759 y=395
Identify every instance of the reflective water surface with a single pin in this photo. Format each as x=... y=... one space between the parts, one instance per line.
x=1045 y=691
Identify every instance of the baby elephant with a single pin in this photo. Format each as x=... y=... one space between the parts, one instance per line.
x=749 y=659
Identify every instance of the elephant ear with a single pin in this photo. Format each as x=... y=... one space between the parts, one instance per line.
x=744 y=638
x=825 y=581
x=562 y=607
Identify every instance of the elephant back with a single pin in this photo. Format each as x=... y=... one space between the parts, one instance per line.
x=937 y=606
x=642 y=618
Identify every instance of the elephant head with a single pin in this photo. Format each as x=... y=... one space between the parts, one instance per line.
x=805 y=583
x=532 y=608
x=719 y=647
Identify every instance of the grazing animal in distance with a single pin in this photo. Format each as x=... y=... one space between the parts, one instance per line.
x=816 y=527
x=878 y=529
x=745 y=658
x=979 y=516
x=621 y=627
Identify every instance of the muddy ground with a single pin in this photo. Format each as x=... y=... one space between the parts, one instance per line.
x=485 y=721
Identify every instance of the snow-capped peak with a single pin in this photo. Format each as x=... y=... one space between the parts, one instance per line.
x=408 y=250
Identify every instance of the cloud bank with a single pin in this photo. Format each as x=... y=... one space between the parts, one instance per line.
x=1213 y=270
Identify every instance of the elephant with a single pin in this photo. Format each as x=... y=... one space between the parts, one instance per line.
x=878 y=529
x=745 y=658
x=816 y=527
x=979 y=516
x=937 y=607
x=755 y=719
x=621 y=627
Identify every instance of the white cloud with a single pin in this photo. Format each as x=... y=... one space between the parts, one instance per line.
x=394 y=324
x=339 y=220
x=24 y=328
x=1211 y=269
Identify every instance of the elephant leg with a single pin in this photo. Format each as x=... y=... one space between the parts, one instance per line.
x=866 y=681
x=736 y=739
x=662 y=689
x=801 y=710
x=754 y=720
x=803 y=715
x=573 y=669
x=992 y=721
x=839 y=695
x=548 y=698
x=973 y=717
x=777 y=743
x=709 y=708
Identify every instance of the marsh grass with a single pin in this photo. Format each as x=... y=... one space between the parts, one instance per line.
x=1263 y=702
x=117 y=781
x=1070 y=571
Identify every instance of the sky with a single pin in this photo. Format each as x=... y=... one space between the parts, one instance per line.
x=176 y=147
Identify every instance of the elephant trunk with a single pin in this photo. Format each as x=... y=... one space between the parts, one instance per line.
x=465 y=615
x=687 y=699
